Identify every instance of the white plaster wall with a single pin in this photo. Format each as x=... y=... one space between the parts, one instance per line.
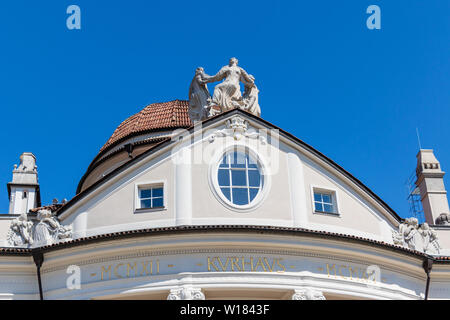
x=5 y=221
x=190 y=197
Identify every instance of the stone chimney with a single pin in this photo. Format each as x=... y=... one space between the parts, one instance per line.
x=23 y=190
x=430 y=181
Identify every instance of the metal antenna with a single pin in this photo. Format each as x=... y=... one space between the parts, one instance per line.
x=418 y=138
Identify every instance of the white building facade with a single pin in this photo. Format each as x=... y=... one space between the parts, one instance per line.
x=207 y=200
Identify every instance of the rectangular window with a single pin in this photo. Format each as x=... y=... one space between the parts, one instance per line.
x=325 y=201
x=150 y=197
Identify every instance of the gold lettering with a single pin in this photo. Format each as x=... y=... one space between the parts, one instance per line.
x=351 y=270
x=364 y=275
x=260 y=263
x=246 y=263
x=224 y=268
x=115 y=270
x=235 y=262
x=132 y=267
x=281 y=265
x=268 y=265
x=332 y=268
x=145 y=267
x=108 y=270
x=211 y=263
x=340 y=270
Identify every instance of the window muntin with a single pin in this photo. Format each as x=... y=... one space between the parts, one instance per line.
x=151 y=197
x=239 y=178
x=323 y=202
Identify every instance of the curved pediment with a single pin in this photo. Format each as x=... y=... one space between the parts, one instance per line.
x=297 y=186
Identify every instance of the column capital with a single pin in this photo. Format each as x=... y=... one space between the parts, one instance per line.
x=307 y=294
x=186 y=293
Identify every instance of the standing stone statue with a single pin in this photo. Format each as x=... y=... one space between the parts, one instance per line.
x=198 y=97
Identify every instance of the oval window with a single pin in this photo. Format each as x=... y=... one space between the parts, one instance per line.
x=239 y=178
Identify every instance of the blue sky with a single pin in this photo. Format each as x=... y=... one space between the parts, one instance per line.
x=356 y=95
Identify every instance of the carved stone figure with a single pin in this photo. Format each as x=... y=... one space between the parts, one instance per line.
x=48 y=230
x=227 y=94
x=188 y=293
x=20 y=232
x=409 y=231
x=199 y=97
x=443 y=219
x=308 y=294
x=429 y=238
x=251 y=99
x=416 y=237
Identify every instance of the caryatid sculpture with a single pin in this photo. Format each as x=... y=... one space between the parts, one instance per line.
x=227 y=94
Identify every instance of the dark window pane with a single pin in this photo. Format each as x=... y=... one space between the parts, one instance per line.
x=157 y=192
x=318 y=206
x=226 y=192
x=146 y=193
x=254 y=178
x=317 y=197
x=326 y=198
x=328 y=208
x=158 y=202
x=224 y=177
x=240 y=196
x=146 y=203
x=253 y=193
x=237 y=160
x=239 y=178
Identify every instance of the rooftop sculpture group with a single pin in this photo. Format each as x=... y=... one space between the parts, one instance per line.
x=227 y=94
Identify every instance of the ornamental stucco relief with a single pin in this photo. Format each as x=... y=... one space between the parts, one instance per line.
x=186 y=293
x=417 y=237
x=237 y=127
x=45 y=231
x=308 y=294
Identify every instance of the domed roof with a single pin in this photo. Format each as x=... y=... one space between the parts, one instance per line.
x=154 y=117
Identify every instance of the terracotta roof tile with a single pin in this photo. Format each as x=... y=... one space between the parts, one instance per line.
x=52 y=207
x=156 y=116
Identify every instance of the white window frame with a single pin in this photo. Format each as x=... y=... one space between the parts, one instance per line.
x=214 y=184
x=149 y=185
x=334 y=200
